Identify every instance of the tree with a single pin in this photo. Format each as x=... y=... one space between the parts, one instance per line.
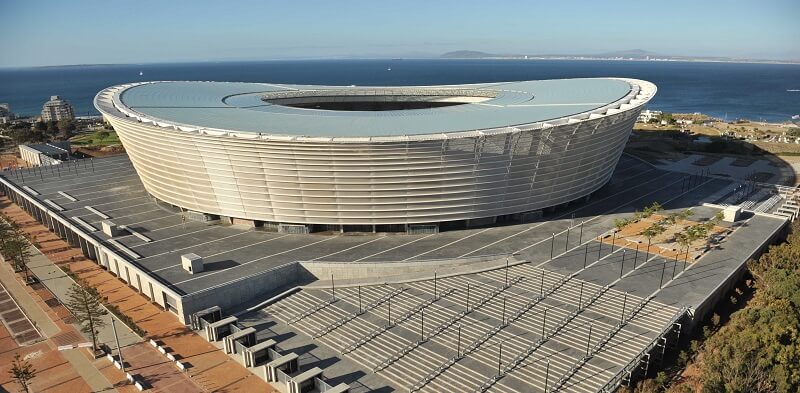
x=103 y=134
x=16 y=249
x=40 y=126
x=5 y=230
x=52 y=126
x=685 y=241
x=66 y=127
x=86 y=305
x=22 y=372
x=652 y=231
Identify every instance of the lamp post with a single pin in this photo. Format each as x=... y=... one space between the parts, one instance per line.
x=119 y=348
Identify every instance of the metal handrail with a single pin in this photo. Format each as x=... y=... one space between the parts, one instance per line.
x=472 y=347
x=380 y=329
x=600 y=343
x=616 y=380
x=444 y=325
x=513 y=364
x=336 y=324
x=313 y=309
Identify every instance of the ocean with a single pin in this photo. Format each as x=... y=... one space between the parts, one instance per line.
x=768 y=92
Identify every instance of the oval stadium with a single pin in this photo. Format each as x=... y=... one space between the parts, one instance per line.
x=305 y=159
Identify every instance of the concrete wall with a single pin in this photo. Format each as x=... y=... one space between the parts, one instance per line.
x=377 y=272
x=702 y=310
x=235 y=294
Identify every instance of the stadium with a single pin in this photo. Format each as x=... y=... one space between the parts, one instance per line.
x=301 y=159
x=561 y=301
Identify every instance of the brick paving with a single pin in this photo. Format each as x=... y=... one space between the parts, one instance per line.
x=16 y=323
x=55 y=374
x=209 y=368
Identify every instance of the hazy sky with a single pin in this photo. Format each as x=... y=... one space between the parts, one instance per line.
x=54 y=32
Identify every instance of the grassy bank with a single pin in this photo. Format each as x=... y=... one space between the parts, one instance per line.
x=96 y=139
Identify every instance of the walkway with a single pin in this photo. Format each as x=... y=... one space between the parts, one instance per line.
x=209 y=367
x=73 y=370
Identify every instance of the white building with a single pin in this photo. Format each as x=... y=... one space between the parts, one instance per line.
x=57 y=109
x=646 y=115
x=5 y=113
x=44 y=154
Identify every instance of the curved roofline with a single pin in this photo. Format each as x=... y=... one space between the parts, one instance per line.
x=109 y=103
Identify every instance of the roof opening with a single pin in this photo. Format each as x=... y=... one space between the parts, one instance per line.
x=377 y=99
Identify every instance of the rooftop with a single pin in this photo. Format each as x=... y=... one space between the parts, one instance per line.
x=319 y=110
x=90 y=191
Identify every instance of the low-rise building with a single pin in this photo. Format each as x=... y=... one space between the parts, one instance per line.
x=57 y=109
x=646 y=115
x=43 y=154
x=5 y=113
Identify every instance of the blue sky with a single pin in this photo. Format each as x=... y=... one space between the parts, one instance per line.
x=40 y=32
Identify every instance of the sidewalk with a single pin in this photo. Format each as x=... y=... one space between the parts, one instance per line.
x=89 y=378
x=209 y=367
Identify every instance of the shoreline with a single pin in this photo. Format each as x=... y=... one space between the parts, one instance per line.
x=389 y=58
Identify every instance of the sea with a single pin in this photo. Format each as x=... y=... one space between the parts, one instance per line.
x=759 y=92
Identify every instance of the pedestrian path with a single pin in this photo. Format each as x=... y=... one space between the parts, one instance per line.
x=49 y=324
x=209 y=368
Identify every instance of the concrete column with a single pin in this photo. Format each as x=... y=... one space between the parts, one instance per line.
x=84 y=246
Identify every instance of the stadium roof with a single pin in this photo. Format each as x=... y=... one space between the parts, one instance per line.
x=241 y=107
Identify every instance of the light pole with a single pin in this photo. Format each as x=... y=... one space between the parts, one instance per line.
x=119 y=348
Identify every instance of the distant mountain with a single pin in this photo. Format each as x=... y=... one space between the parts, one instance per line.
x=631 y=54
x=466 y=54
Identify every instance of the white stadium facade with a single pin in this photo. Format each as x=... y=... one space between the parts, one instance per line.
x=304 y=159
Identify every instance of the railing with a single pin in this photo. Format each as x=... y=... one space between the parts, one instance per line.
x=486 y=336
x=312 y=310
x=600 y=343
x=514 y=363
x=629 y=368
x=441 y=327
x=377 y=331
x=335 y=325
